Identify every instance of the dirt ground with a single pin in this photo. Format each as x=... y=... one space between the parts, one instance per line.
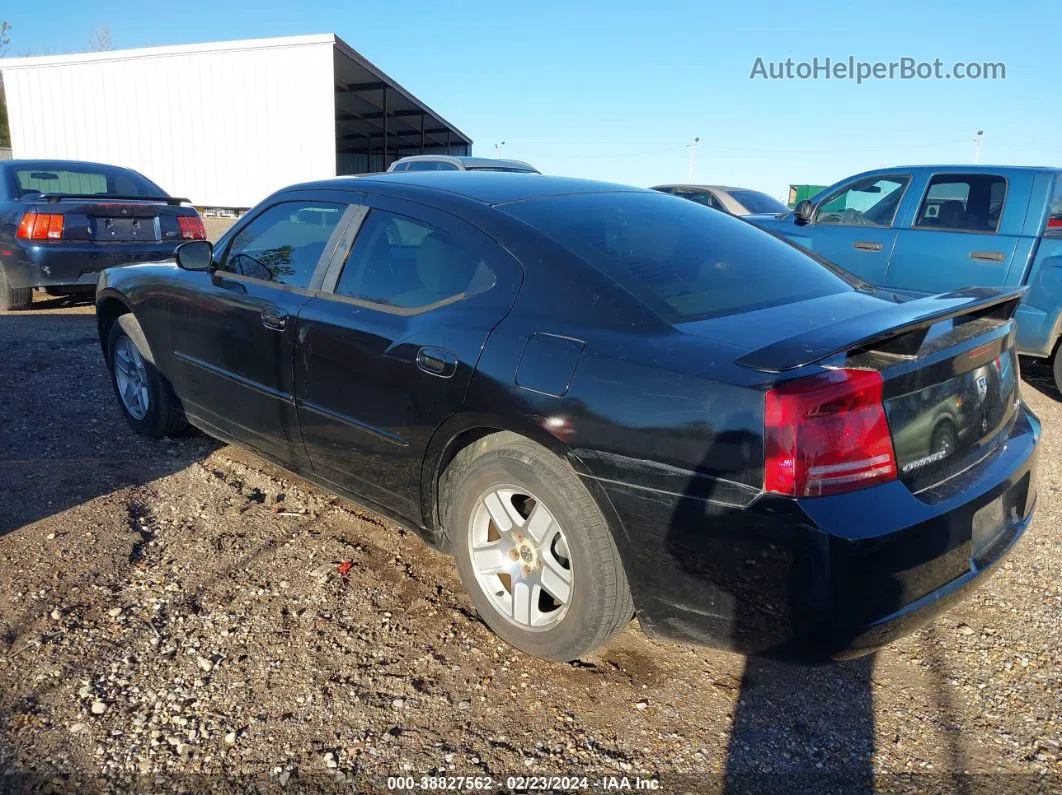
x=162 y=628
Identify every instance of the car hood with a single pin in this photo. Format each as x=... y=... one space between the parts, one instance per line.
x=761 y=327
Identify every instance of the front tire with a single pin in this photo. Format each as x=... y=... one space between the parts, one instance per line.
x=533 y=550
x=13 y=298
x=143 y=394
x=1057 y=362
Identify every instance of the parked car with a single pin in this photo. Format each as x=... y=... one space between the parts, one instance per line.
x=62 y=222
x=926 y=229
x=460 y=163
x=600 y=399
x=735 y=201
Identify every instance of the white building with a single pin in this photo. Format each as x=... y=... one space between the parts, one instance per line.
x=222 y=124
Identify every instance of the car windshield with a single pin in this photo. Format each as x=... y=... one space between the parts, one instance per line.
x=502 y=168
x=756 y=202
x=87 y=179
x=681 y=259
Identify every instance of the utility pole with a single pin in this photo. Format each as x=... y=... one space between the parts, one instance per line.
x=498 y=148
x=977 y=146
x=693 y=157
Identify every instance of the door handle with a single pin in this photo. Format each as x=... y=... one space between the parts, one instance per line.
x=988 y=256
x=274 y=318
x=867 y=245
x=437 y=362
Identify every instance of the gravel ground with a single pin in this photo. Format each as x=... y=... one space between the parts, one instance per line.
x=163 y=627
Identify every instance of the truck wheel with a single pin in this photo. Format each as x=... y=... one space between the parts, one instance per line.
x=533 y=550
x=14 y=297
x=1058 y=368
x=144 y=395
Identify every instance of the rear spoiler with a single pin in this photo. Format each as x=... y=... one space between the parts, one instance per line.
x=52 y=198
x=886 y=324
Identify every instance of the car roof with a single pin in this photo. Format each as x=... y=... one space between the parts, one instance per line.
x=57 y=164
x=487 y=187
x=691 y=186
x=468 y=161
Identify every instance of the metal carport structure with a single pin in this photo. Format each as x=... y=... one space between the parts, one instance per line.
x=378 y=121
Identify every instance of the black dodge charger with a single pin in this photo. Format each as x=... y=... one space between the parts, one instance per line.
x=64 y=221
x=603 y=401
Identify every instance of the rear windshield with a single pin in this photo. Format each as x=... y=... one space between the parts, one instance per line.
x=756 y=202
x=683 y=260
x=87 y=179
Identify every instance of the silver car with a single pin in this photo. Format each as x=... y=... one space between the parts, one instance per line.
x=461 y=163
x=734 y=201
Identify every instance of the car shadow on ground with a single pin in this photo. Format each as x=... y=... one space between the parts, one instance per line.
x=63 y=438
x=795 y=728
x=1038 y=374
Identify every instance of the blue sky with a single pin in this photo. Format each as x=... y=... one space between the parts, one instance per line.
x=616 y=90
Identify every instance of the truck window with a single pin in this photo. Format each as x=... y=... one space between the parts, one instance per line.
x=868 y=202
x=963 y=203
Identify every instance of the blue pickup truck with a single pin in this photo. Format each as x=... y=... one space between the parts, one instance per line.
x=930 y=229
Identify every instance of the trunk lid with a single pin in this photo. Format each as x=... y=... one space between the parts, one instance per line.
x=950 y=369
x=116 y=220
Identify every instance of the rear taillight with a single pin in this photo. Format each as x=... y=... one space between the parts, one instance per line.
x=191 y=227
x=40 y=226
x=1054 y=226
x=827 y=434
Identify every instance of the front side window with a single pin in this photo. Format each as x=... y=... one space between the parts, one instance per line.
x=284 y=243
x=963 y=202
x=404 y=263
x=869 y=202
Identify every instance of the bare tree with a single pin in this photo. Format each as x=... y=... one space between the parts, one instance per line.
x=101 y=39
x=5 y=40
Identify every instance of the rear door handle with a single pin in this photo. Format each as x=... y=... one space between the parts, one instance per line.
x=437 y=362
x=988 y=256
x=867 y=245
x=274 y=318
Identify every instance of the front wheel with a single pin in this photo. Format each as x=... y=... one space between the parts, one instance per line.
x=1058 y=368
x=533 y=550
x=145 y=397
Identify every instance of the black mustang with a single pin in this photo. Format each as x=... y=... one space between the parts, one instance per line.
x=602 y=400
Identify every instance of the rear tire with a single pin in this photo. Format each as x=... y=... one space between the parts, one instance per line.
x=573 y=607
x=13 y=298
x=1057 y=362
x=149 y=406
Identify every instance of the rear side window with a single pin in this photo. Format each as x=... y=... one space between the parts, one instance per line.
x=963 y=202
x=284 y=243
x=681 y=259
x=408 y=264
x=89 y=181
x=756 y=202
x=699 y=196
x=422 y=165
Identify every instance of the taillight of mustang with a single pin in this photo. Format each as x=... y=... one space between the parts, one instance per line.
x=40 y=226
x=827 y=434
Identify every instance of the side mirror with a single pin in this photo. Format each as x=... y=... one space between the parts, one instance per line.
x=195 y=255
x=802 y=212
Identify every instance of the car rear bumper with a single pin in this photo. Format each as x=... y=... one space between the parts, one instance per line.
x=76 y=264
x=824 y=578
